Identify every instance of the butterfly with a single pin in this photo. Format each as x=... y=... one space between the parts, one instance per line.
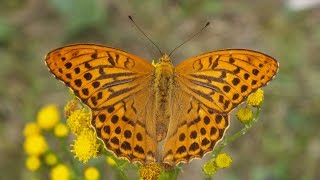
x=157 y=112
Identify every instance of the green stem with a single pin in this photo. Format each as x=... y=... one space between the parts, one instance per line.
x=235 y=136
x=170 y=174
x=119 y=166
x=208 y=178
x=173 y=174
x=73 y=163
x=121 y=175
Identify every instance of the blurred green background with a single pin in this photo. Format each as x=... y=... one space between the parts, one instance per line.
x=284 y=144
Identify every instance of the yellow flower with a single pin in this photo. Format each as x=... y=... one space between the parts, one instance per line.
x=70 y=107
x=48 y=117
x=61 y=130
x=150 y=171
x=85 y=146
x=245 y=115
x=209 y=168
x=91 y=173
x=50 y=159
x=79 y=120
x=256 y=99
x=111 y=161
x=30 y=129
x=60 y=172
x=35 y=145
x=33 y=163
x=223 y=160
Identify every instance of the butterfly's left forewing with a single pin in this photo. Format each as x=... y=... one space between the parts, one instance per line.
x=206 y=89
x=116 y=87
x=222 y=79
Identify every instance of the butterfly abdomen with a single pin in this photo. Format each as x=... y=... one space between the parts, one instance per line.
x=163 y=86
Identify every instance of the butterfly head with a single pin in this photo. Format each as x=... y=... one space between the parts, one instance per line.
x=165 y=58
x=164 y=67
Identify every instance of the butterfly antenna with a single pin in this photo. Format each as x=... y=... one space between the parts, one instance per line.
x=207 y=24
x=130 y=17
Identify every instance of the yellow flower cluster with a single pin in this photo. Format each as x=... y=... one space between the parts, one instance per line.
x=85 y=146
x=51 y=159
x=221 y=161
x=30 y=129
x=150 y=171
x=70 y=107
x=111 y=161
x=245 y=115
x=33 y=163
x=48 y=117
x=79 y=120
x=209 y=168
x=91 y=173
x=60 y=172
x=35 y=144
x=256 y=99
x=61 y=130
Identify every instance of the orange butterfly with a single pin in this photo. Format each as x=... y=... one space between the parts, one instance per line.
x=160 y=113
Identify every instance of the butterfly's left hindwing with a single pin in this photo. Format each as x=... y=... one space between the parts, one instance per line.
x=207 y=88
x=115 y=85
x=194 y=129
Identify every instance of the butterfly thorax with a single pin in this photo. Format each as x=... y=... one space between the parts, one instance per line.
x=164 y=71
